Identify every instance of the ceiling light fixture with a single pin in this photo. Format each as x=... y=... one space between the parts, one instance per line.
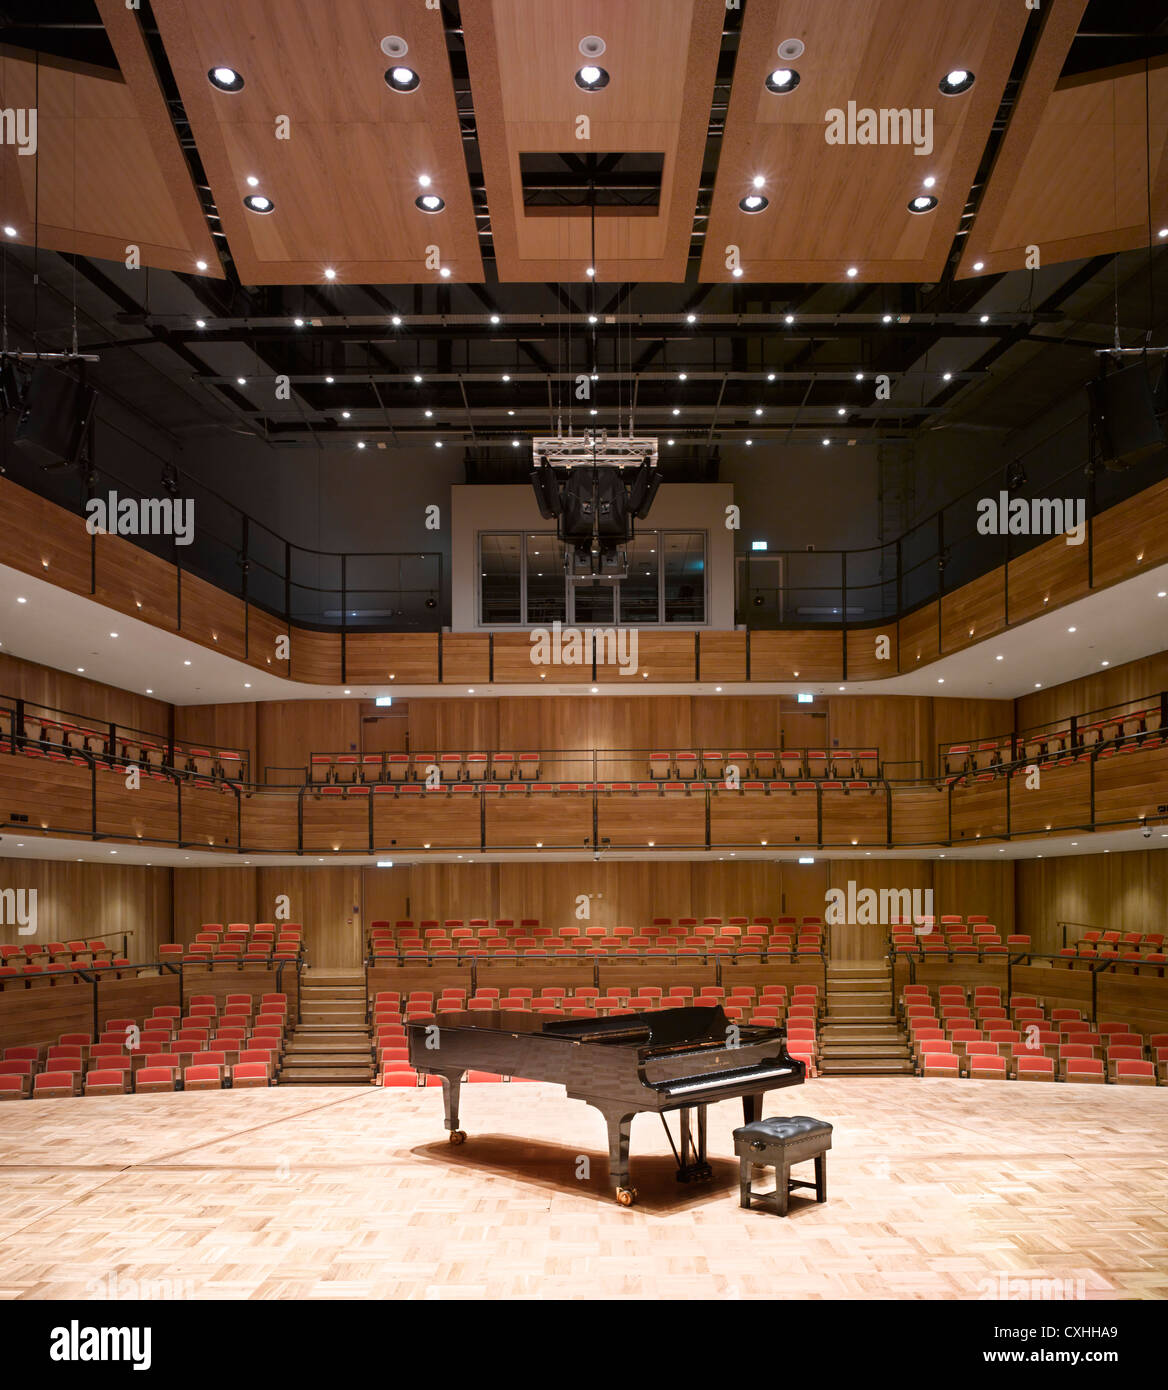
x=402 y=79
x=430 y=202
x=782 y=80
x=753 y=202
x=590 y=78
x=956 y=81
x=852 y=272
x=256 y=202
x=923 y=202
x=225 y=79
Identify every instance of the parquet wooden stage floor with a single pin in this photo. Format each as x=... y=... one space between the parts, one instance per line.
x=936 y=1189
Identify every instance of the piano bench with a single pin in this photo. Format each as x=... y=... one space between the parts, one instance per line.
x=778 y=1143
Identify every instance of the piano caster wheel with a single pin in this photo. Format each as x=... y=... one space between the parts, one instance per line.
x=457 y=1136
x=626 y=1196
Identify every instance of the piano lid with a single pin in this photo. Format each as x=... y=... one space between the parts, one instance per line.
x=661 y=1028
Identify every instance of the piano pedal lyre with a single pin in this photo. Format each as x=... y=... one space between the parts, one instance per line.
x=457 y=1136
x=626 y=1196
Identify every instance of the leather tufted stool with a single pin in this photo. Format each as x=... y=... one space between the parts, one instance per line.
x=778 y=1143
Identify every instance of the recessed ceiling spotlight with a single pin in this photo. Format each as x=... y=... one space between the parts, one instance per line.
x=956 y=81
x=430 y=202
x=1072 y=629
x=298 y=323
x=417 y=380
x=495 y=318
x=852 y=272
x=445 y=272
x=979 y=265
x=999 y=658
x=985 y=318
x=394 y=46
x=346 y=414
x=592 y=318
x=753 y=202
x=788 y=318
x=256 y=202
x=330 y=273
x=748 y=442
x=225 y=79
x=758 y=181
x=396 y=320
x=241 y=380
x=930 y=182
x=429 y=414
x=770 y=376
x=923 y=202
x=691 y=318
x=360 y=443
x=681 y=376
x=758 y=409
x=590 y=78
x=200 y=323
x=329 y=380
x=737 y=272
x=252 y=181
x=827 y=441
x=9 y=231
x=940 y=680
x=590 y=272
x=1105 y=663
x=946 y=376
x=200 y=265
x=669 y=441
x=676 y=411
x=1163 y=593
x=1163 y=231
x=186 y=663
x=424 y=180
x=782 y=80
x=842 y=410
x=437 y=444
x=1038 y=685
x=886 y=318
x=402 y=79
x=515 y=443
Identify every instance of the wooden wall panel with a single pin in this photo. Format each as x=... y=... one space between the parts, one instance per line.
x=76 y=694
x=466 y=657
x=218 y=726
x=856 y=941
x=216 y=896
x=1110 y=892
x=900 y=727
x=78 y=900
x=137 y=582
x=327 y=903
x=516 y=821
x=288 y=732
x=722 y=656
x=919 y=641
x=974 y=611
x=863 y=662
x=1132 y=535
x=795 y=655
x=1050 y=574
x=1131 y=682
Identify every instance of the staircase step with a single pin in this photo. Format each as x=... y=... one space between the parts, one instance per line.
x=895 y=1050
x=858 y=1066
x=329 y=991
x=335 y=1076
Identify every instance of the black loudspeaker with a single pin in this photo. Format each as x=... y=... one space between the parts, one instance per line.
x=56 y=414
x=547 y=491
x=1126 y=427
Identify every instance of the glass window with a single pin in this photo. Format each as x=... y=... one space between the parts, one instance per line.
x=500 y=579
x=547 y=597
x=594 y=604
x=685 y=576
x=639 y=599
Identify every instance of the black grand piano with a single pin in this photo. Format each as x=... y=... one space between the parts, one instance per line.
x=673 y=1059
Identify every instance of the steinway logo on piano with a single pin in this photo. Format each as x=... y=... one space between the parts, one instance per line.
x=886 y=907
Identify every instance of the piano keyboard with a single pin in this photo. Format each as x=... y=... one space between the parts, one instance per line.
x=712 y=1080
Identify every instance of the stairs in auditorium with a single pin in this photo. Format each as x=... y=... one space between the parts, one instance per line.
x=332 y=1044
x=860 y=1035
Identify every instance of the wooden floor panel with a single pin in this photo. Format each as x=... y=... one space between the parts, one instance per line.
x=936 y=1189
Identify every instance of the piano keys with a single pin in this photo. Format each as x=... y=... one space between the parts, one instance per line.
x=680 y=1059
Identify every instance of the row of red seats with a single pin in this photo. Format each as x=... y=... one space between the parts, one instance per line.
x=129 y=1056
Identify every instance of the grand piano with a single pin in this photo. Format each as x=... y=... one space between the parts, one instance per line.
x=672 y=1059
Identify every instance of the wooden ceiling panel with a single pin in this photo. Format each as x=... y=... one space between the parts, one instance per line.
x=1071 y=174
x=834 y=206
x=344 y=182
x=661 y=59
x=108 y=172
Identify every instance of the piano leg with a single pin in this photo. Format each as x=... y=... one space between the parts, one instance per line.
x=752 y=1108
x=619 y=1124
x=451 y=1086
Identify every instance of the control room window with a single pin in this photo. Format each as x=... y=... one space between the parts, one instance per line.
x=501 y=579
x=684 y=563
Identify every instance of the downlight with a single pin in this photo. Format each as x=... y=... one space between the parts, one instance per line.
x=430 y=202
x=590 y=78
x=753 y=202
x=401 y=79
x=256 y=202
x=923 y=202
x=782 y=80
x=393 y=46
x=225 y=79
x=956 y=81
x=592 y=47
